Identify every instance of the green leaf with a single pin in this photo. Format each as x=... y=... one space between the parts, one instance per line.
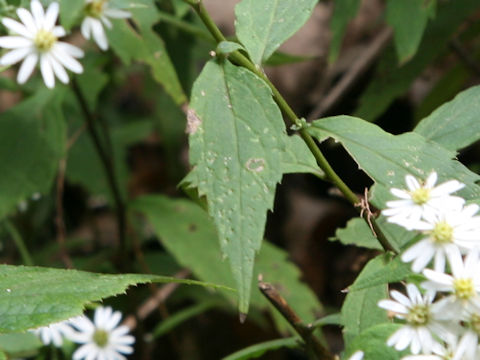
x=387 y=158
x=408 y=19
x=455 y=124
x=343 y=12
x=19 y=344
x=358 y=233
x=71 y=11
x=187 y=232
x=257 y=350
x=146 y=46
x=32 y=296
x=263 y=25
x=360 y=310
x=32 y=141
x=280 y=58
x=227 y=47
x=235 y=155
x=391 y=81
x=373 y=343
x=297 y=158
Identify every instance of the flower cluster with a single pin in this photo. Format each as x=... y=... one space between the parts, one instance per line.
x=100 y=339
x=441 y=321
x=35 y=39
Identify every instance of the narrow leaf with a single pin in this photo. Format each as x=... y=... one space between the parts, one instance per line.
x=408 y=19
x=455 y=124
x=34 y=296
x=263 y=25
x=235 y=154
x=257 y=350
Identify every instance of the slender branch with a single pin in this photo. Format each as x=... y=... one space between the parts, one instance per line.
x=19 y=243
x=108 y=166
x=305 y=331
x=330 y=174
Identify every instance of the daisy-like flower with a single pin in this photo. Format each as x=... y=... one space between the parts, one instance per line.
x=53 y=333
x=102 y=339
x=421 y=198
x=444 y=230
x=97 y=14
x=36 y=41
x=463 y=285
x=451 y=350
x=419 y=315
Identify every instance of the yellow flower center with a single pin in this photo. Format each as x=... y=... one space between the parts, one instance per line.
x=442 y=233
x=44 y=40
x=420 y=196
x=418 y=315
x=95 y=8
x=100 y=337
x=464 y=288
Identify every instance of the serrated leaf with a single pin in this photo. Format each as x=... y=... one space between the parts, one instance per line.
x=235 y=155
x=360 y=310
x=263 y=25
x=343 y=12
x=387 y=158
x=32 y=141
x=455 y=124
x=391 y=81
x=373 y=343
x=358 y=233
x=188 y=233
x=297 y=158
x=257 y=350
x=146 y=46
x=408 y=19
x=32 y=296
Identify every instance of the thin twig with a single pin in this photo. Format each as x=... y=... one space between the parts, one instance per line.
x=358 y=68
x=59 y=219
x=153 y=302
x=108 y=166
x=305 y=331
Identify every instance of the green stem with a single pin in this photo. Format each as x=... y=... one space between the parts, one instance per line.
x=185 y=26
x=19 y=243
x=330 y=174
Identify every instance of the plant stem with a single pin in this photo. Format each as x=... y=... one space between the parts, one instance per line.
x=185 y=26
x=306 y=333
x=19 y=243
x=330 y=174
x=108 y=166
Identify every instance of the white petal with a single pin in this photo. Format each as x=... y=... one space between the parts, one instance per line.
x=66 y=60
x=27 y=19
x=439 y=262
x=14 y=42
x=51 y=16
x=70 y=49
x=14 y=56
x=393 y=306
x=38 y=13
x=47 y=72
x=423 y=259
x=27 y=68
x=112 y=321
x=106 y=22
x=456 y=263
x=402 y=194
x=414 y=294
x=412 y=183
x=124 y=349
x=99 y=35
x=17 y=28
x=431 y=180
x=58 y=70
x=59 y=31
x=117 y=13
x=447 y=188
x=86 y=28
x=441 y=280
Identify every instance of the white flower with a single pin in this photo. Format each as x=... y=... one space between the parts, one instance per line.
x=418 y=312
x=36 y=40
x=358 y=355
x=444 y=230
x=463 y=284
x=103 y=339
x=53 y=333
x=420 y=199
x=452 y=349
x=97 y=14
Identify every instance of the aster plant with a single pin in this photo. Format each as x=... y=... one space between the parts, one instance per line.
x=140 y=144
